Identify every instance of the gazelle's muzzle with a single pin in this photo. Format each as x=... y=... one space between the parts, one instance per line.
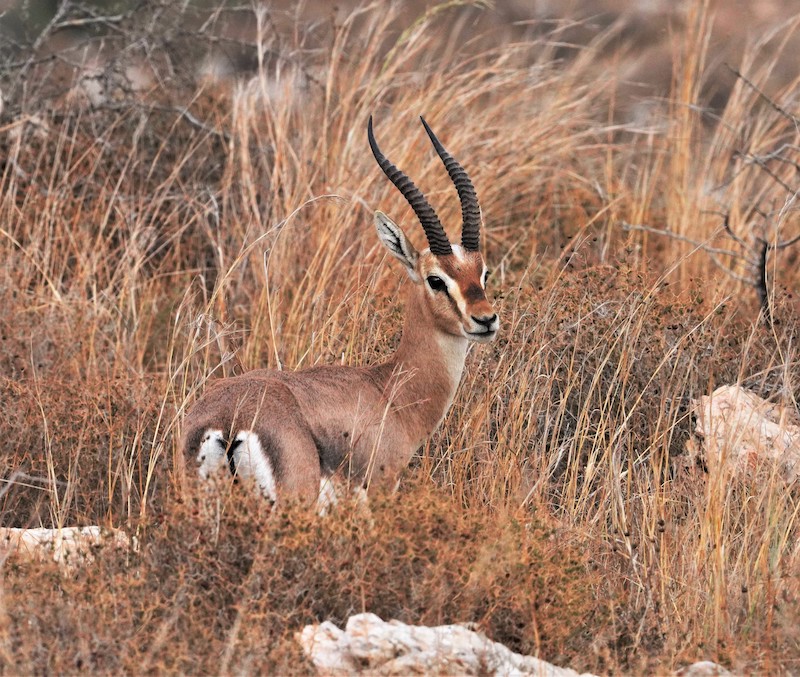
x=483 y=327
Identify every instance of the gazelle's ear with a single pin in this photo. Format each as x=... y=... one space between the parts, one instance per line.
x=395 y=240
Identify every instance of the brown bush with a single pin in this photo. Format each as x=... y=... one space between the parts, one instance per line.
x=221 y=585
x=166 y=235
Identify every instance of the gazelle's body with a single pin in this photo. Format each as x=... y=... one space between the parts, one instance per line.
x=292 y=430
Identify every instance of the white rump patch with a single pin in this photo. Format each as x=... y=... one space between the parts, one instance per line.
x=251 y=461
x=248 y=457
x=211 y=456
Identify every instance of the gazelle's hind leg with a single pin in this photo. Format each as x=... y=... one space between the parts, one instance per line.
x=332 y=488
x=327 y=497
x=293 y=454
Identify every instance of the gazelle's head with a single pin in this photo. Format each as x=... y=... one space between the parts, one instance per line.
x=450 y=278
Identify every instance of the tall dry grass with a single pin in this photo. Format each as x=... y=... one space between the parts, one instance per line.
x=179 y=235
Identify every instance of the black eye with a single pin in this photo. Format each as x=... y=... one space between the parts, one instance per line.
x=436 y=283
x=486 y=276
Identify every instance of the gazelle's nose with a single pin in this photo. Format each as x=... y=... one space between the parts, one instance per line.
x=486 y=321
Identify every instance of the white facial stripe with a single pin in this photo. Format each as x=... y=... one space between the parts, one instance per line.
x=455 y=293
x=475 y=330
x=453 y=289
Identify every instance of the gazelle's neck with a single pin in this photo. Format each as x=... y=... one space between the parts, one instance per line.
x=426 y=369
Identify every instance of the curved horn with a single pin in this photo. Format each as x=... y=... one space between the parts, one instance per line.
x=470 y=209
x=437 y=238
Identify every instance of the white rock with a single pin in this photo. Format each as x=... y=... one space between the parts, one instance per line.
x=69 y=546
x=740 y=432
x=370 y=646
x=703 y=669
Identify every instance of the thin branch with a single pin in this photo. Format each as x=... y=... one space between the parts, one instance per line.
x=88 y=21
x=778 y=155
x=628 y=227
x=47 y=30
x=758 y=91
x=749 y=281
x=761 y=281
x=181 y=111
x=755 y=159
x=726 y=223
x=787 y=243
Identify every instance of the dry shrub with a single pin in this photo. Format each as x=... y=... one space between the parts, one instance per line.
x=76 y=446
x=161 y=237
x=584 y=407
x=222 y=586
x=600 y=360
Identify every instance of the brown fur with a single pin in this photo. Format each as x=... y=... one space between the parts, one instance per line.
x=362 y=422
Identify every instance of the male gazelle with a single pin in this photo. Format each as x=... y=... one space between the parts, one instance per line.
x=292 y=431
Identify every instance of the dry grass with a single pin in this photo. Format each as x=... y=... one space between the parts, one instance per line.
x=145 y=254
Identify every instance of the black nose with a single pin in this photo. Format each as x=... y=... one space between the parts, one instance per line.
x=485 y=321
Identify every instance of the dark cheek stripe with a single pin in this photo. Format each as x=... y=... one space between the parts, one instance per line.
x=473 y=293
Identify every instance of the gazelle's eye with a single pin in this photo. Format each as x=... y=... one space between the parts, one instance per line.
x=436 y=283
x=486 y=274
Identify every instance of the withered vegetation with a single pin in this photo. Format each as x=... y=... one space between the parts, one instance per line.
x=162 y=225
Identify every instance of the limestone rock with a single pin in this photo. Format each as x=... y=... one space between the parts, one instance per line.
x=371 y=646
x=739 y=432
x=703 y=669
x=69 y=546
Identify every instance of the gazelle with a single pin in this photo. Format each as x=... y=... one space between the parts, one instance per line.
x=293 y=431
